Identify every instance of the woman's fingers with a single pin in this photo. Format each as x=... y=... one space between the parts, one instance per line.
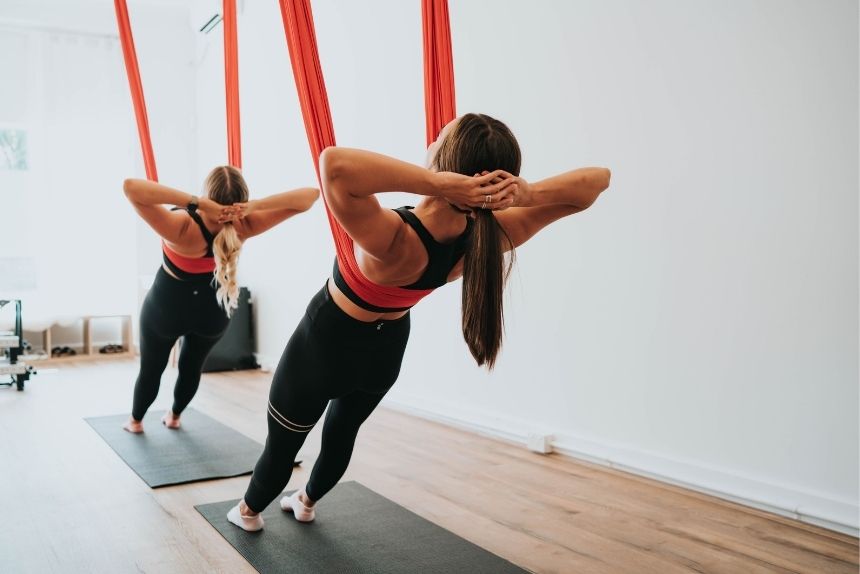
x=487 y=177
x=501 y=190
x=493 y=200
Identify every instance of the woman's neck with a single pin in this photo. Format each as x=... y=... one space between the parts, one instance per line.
x=445 y=220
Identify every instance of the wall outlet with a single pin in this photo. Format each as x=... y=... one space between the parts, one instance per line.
x=541 y=443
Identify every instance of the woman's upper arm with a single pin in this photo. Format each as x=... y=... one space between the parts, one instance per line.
x=371 y=226
x=522 y=223
x=170 y=225
x=262 y=221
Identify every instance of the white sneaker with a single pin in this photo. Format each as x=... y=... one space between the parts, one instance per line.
x=250 y=524
x=293 y=504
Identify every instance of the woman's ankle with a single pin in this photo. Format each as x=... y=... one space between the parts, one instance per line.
x=245 y=510
x=305 y=499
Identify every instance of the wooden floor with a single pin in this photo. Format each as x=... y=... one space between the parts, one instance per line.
x=69 y=504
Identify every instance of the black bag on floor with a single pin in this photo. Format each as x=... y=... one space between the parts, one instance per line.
x=235 y=350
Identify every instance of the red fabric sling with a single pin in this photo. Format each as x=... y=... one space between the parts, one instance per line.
x=231 y=83
x=131 y=69
x=231 y=73
x=440 y=105
x=307 y=71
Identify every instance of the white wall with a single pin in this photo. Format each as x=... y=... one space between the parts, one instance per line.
x=699 y=323
x=165 y=49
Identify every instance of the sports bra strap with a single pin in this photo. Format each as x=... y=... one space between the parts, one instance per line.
x=412 y=220
x=207 y=235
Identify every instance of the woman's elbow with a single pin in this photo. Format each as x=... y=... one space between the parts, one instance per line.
x=597 y=183
x=602 y=178
x=128 y=187
x=313 y=195
x=601 y=182
x=331 y=165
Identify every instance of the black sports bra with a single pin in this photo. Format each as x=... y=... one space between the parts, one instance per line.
x=441 y=259
x=178 y=271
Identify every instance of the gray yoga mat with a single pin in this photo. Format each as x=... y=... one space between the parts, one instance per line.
x=202 y=449
x=356 y=531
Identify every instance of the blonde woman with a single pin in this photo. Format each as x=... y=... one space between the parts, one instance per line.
x=195 y=289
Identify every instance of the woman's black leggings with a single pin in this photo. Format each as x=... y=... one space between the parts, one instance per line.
x=335 y=360
x=173 y=309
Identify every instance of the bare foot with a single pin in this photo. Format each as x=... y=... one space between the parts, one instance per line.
x=133 y=426
x=171 y=420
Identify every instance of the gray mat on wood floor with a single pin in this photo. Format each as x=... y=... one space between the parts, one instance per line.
x=203 y=449
x=356 y=531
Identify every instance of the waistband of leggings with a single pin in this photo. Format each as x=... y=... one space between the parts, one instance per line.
x=163 y=278
x=323 y=311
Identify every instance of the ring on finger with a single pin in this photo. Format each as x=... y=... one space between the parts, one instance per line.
x=484 y=205
x=488 y=199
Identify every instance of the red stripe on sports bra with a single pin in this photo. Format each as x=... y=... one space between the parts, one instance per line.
x=386 y=296
x=189 y=264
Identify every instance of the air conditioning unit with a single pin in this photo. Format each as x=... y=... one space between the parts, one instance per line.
x=206 y=15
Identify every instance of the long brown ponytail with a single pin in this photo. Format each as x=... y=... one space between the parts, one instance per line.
x=226 y=186
x=475 y=144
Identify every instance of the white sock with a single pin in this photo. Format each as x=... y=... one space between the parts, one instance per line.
x=251 y=524
x=293 y=504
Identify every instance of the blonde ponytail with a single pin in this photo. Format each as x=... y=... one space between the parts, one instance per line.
x=226 y=247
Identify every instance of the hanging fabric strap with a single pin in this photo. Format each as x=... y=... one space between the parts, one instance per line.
x=302 y=44
x=134 y=84
x=231 y=83
x=307 y=71
x=231 y=77
x=439 y=102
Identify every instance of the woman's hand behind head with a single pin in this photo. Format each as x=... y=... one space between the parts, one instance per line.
x=210 y=208
x=235 y=212
x=488 y=191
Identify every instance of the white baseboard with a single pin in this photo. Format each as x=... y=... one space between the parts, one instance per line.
x=817 y=509
x=267 y=363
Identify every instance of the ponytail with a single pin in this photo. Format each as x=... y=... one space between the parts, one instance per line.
x=226 y=247
x=484 y=276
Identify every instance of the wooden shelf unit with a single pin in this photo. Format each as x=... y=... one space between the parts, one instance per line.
x=88 y=351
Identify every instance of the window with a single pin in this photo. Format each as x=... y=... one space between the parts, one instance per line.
x=13 y=149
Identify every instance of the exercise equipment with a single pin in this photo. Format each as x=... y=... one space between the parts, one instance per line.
x=440 y=104
x=231 y=77
x=203 y=449
x=316 y=113
x=234 y=351
x=360 y=532
x=13 y=344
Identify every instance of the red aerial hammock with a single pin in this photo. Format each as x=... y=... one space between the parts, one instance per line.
x=439 y=106
x=231 y=76
x=231 y=81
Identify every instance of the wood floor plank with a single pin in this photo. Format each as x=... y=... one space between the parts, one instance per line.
x=74 y=506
